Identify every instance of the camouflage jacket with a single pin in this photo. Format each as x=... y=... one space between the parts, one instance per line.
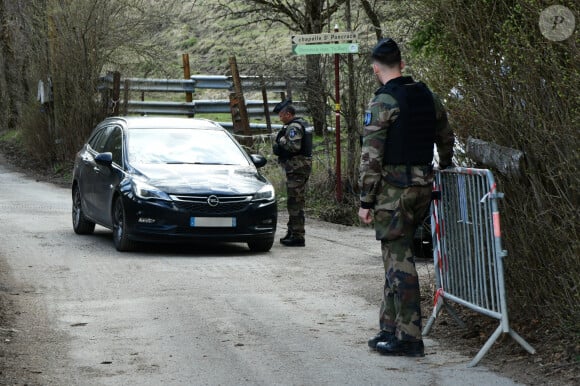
x=289 y=138
x=374 y=173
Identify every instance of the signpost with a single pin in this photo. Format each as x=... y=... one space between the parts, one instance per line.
x=325 y=38
x=310 y=45
x=318 y=49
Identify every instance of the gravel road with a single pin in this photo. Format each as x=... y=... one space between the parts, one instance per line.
x=77 y=312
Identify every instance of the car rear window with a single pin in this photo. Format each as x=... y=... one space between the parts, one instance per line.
x=183 y=146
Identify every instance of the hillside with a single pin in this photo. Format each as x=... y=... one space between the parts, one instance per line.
x=211 y=41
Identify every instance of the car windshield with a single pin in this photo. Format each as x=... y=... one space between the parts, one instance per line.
x=183 y=146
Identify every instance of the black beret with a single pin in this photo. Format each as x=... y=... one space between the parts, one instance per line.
x=385 y=48
x=282 y=105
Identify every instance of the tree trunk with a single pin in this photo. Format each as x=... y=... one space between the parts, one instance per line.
x=315 y=95
x=11 y=94
x=351 y=116
x=373 y=17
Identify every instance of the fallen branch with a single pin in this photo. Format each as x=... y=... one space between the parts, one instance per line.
x=506 y=160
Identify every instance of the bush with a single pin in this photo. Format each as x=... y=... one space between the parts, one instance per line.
x=513 y=87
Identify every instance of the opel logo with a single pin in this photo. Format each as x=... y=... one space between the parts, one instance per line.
x=213 y=200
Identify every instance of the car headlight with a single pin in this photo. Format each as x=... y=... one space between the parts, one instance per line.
x=265 y=194
x=148 y=192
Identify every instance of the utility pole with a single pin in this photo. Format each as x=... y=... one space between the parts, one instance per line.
x=337 y=125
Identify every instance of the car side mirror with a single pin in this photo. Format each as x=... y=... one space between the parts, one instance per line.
x=105 y=158
x=258 y=160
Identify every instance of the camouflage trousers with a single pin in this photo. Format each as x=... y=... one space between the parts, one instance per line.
x=395 y=222
x=297 y=174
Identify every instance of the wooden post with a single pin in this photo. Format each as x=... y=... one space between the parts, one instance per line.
x=266 y=106
x=116 y=93
x=288 y=89
x=126 y=97
x=187 y=75
x=240 y=119
x=143 y=100
x=106 y=97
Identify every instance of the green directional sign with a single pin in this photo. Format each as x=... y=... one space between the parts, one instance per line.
x=318 y=49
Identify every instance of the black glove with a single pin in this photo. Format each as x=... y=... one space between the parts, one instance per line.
x=280 y=135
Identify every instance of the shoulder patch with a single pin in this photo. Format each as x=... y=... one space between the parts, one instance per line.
x=368 y=118
x=292 y=133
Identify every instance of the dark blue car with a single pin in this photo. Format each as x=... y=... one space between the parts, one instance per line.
x=152 y=179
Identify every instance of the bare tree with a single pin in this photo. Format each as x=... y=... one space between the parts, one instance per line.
x=304 y=17
x=512 y=87
x=373 y=16
x=20 y=54
x=72 y=43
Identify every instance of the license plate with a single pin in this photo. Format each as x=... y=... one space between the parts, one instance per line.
x=213 y=222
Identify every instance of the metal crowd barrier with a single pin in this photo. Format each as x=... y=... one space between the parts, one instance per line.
x=467 y=249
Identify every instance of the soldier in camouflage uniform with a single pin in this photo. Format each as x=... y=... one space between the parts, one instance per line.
x=403 y=122
x=293 y=147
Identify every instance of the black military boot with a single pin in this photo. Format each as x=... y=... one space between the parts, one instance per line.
x=293 y=241
x=288 y=236
x=405 y=348
x=382 y=336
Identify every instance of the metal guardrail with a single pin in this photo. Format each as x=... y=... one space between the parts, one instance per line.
x=255 y=126
x=255 y=108
x=467 y=249
x=249 y=83
x=214 y=82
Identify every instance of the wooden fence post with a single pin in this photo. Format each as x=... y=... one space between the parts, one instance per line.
x=116 y=92
x=266 y=106
x=126 y=92
x=238 y=109
x=187 y=75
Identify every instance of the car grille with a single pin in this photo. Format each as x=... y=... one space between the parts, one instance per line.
x=200 y=204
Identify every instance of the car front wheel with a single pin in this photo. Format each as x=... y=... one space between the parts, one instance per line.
x=263 y=245
x=120 y=238
x=81 y=225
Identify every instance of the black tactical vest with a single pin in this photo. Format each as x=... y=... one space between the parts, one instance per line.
x=306 y=144
x=411 y=137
